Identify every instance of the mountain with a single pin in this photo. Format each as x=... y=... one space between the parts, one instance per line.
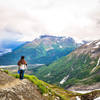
x=43 y=50
x=31 y=88
x=81 y=67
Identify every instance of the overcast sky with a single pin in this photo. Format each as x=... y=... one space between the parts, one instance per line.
x=27 y=19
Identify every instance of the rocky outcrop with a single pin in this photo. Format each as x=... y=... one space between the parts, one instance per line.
x=91 y=96
x=81 y=87
x=89 y=92
x=14 y=89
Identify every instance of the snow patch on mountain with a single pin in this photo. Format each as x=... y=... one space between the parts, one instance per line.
x=98 y=43
x=89 y=43
x=50 y=48
x=77 y=98
x=83 y=92
x=95 y=68
x=98 y=61
x=60 y=46
x=48 y=74
x=64 y=38
x=64 y=79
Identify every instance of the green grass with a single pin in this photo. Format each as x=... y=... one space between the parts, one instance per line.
x=52 y=90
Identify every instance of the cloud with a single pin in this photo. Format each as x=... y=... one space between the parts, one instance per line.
x=8 y=37
x=20 y=22
x=28 y=19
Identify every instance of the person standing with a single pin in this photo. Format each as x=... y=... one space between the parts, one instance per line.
x=22 y=64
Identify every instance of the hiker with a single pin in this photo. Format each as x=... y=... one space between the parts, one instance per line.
x=22 y=65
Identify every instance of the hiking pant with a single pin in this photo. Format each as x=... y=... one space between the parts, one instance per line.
x=22 y=74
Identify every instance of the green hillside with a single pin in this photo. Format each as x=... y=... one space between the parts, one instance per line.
x=75 y=68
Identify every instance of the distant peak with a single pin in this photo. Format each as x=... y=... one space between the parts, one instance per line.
x=49 y=36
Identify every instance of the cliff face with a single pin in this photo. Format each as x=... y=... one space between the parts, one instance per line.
x=14 y=89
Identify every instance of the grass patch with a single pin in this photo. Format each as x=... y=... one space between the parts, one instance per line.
x=52 y=91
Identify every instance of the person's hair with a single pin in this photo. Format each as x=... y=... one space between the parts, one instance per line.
x=22 y=57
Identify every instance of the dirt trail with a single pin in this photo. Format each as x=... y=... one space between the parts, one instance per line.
x=12 y=84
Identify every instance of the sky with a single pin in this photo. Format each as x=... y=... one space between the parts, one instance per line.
x=25 y=20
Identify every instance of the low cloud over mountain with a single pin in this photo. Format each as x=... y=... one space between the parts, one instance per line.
x=32 y=18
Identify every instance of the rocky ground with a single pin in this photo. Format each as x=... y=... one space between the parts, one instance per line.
x=15 y=89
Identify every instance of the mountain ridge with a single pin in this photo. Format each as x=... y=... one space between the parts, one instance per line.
x=43 y=50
